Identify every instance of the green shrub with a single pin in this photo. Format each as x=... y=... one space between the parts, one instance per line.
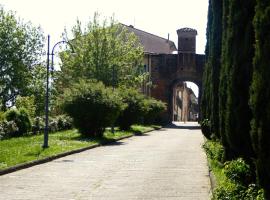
x=238 y=171
x=8 y=129
x=92 y=106
x=64 y=122
x=233 y=191
x=214 y=150
x=135 y=109
x=2 y=116
x=205 y=127
x=227 y=191
x=28 y=103
x=38 y=125
x=21 y=118
x=153 y=109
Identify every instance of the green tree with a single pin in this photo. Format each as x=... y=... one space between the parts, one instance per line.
x=239 y=55
x=20 y=50
x=205 y=100
x=212 y=68
x=260 y=94
x=27 y=103
x=223 y=78
x=104 y=51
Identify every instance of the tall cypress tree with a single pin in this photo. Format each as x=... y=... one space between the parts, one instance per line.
x=214 y=63
x=212 y=67
x=223 y=78
x=240 y=51
x=205 y=100
x=260 y=94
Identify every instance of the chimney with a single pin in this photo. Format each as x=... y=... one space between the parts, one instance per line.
x=187 y=40
x=168 y=37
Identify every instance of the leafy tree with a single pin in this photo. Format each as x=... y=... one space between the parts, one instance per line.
x=103 y=51
x=20 y=51
x=27 y=103
x=37 y=87
x=260 y=94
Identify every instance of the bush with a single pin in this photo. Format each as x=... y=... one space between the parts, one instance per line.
x=8 y=129
x=214 y=150
x=2 y=116
x=38 y=125
x=92 y=106
x=28 y=103
x=228 y=191
x=64 y=122
x=206 y=130
x=232 y=191
x=21 y=118
x=238 y=171
x=135 y=109
x=153 y=110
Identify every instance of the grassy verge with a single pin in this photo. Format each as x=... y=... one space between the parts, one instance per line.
x=19 y=150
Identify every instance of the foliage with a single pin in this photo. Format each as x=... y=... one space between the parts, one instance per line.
x=210 y=99
x=223 y=78
x=227 y=191
x=2 y=116
x=27 y=103
x=153 y=110
x=105 y=51
x=37 y=88
x=8 y=129
x=64 y=122
x=20 y=50
x=238 y=171
x=92 y=106
x=38 y=125
x=206 y=128
x=260 y=94
x=214 y=150
x=238 y=113
x=233 y=178
x=135 y=109
x=21 y=119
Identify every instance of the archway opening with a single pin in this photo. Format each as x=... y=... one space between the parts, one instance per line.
x=185 y=103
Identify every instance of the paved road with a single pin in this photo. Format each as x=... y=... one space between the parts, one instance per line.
x=167 y=164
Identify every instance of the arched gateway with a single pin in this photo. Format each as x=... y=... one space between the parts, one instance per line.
x=168 y=66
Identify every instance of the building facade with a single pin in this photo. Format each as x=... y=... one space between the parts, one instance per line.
x=168 y=67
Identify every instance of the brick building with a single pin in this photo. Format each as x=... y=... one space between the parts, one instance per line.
x=169 y=67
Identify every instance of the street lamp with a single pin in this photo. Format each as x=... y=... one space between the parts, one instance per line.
x=46 y=130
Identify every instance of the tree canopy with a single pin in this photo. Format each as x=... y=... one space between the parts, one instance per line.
x=104 y=51
x=20 y=51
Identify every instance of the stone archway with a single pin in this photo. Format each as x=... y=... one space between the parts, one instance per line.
x=167 y=69
x=178 y=95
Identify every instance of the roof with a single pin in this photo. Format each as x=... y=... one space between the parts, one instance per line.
x=153 y=43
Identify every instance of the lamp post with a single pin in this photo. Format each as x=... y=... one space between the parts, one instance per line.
x=46 y=130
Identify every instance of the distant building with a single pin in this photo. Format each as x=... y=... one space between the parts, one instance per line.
x=169 y=68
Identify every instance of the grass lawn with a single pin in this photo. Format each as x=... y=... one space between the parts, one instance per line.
x=19 y=150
